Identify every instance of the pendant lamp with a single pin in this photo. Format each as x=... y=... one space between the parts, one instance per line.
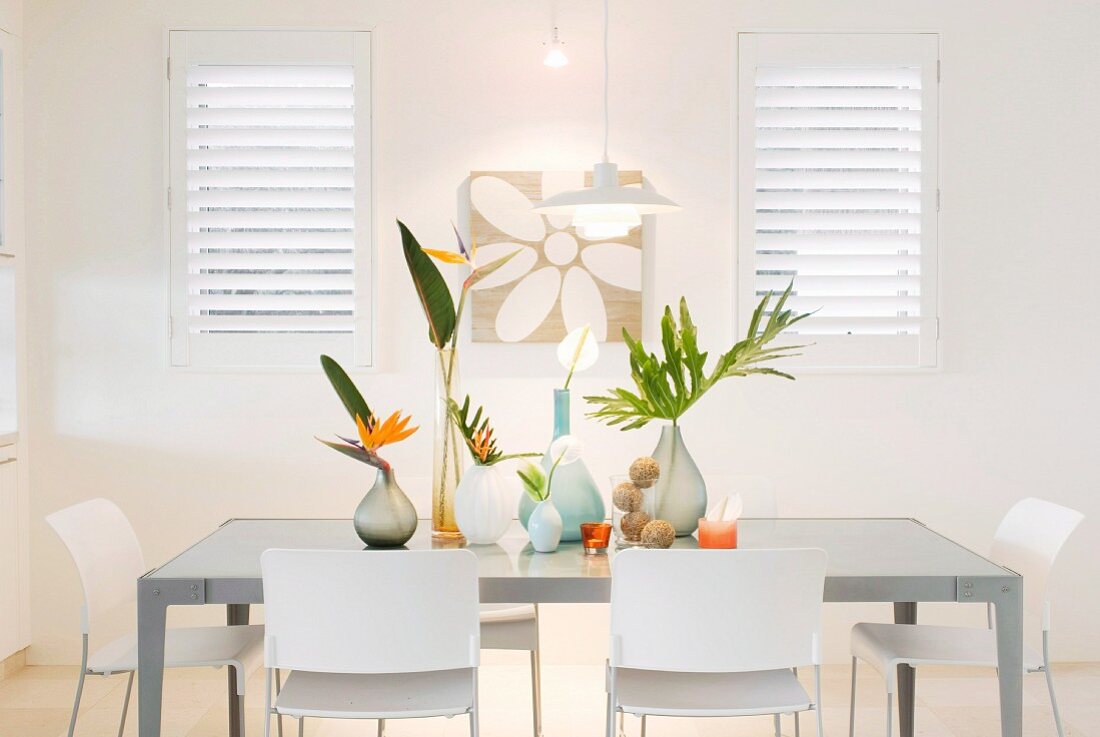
x=606 y=209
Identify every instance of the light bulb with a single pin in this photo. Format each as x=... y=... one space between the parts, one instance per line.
x=555 y=51
x=555 y=57
x=595 y=222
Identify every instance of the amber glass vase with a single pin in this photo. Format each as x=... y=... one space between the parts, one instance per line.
x=446 y=448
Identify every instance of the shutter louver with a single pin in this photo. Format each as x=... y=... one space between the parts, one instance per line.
x=838 y=195
x=270 y=198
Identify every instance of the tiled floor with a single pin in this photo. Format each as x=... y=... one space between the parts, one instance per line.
x=951 y=703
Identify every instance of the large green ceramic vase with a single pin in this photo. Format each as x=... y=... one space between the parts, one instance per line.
x=681 y=492
x=575 y=494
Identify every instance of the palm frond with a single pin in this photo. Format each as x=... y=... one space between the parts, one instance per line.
x=665 y=388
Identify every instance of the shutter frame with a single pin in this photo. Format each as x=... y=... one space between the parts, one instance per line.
x=820 y=211
x=298 y=223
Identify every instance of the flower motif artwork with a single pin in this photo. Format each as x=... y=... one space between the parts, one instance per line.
x=559 y=281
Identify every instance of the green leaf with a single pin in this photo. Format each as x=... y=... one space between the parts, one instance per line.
x=534 y=481
x=431 y=290
x=669 y=386
x=346 y=389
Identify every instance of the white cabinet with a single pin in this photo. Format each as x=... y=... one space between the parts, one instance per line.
x=13 y=579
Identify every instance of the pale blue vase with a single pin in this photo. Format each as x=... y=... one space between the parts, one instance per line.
x=681 y=493
x=575 y=493
x=545 y=527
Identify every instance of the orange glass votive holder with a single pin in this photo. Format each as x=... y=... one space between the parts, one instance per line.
x=717 y=533
x=595 y=536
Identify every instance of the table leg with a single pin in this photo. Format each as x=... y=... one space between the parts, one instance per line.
x=1010 y=659
x=151 y=616
x=235 y=614
x=905 y=612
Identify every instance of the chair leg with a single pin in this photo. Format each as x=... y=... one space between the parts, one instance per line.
x=643 y=725
x=125 y=704
x=776 y=724
x=301 y=727
x=536 y=691
x=611 y=708
x=1050 y=685
x=381 y=728
x=240 y=709
x=889 y=714
x=267 y=702
x=79 y=685
x=852 y=706
x=278 y=690
x=817 y=703
x=797 y=726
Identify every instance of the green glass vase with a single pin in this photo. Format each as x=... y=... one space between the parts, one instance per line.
x=575 y=493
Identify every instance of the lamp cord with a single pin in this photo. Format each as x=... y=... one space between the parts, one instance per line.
x=606 y=64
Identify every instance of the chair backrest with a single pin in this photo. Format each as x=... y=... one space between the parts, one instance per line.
x=106 y=553
x=370 y=611
x=716 y=610
x=1028 y=540
x=757 y=493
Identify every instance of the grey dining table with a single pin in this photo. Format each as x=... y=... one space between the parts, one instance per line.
x=900 y=561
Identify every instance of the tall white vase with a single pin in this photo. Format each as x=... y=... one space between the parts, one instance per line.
x=544 y=527
x=484 y=503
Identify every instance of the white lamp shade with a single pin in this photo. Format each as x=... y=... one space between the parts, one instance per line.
x=607 y=191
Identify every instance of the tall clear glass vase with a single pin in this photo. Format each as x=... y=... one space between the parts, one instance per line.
x=446 y=448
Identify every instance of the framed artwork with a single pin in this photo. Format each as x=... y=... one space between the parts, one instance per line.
x=559 y=280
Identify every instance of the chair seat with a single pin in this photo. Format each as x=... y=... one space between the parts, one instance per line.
x=885 y=646
x=377 y=696
x=506 y=612
x=239 y=646
x=509 y=627
x=665 y=693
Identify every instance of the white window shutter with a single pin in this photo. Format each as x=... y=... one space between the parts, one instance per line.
x=270 y=185
x=837 y=192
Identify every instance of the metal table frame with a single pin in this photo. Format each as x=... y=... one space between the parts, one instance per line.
x=1003 y=589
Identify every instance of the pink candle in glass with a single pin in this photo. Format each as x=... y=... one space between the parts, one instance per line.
x=717 y=533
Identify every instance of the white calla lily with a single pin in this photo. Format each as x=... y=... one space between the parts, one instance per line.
x=566 y=449
x=578 y=351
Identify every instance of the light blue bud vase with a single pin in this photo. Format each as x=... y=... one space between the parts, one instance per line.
x=575 y=494
x=544 y=527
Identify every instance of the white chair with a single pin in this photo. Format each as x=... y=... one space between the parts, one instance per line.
x=714 y=633
x=516 y=627
x=109 y=560
x=371 y=634
x=1027 y=542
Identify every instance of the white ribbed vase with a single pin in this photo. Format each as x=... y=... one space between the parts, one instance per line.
x=485 y=502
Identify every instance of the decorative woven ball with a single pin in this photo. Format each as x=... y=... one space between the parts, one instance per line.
x=627 y=497
x=644 y=471
x=658 y=534
x=633 y=523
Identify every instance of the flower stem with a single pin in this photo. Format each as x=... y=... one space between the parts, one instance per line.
x=550 y=477
x=569 y=376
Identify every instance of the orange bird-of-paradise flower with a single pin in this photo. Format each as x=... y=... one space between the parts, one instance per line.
x=482 y=443
x=463 y=256
x=448 y=257
x=374 y=434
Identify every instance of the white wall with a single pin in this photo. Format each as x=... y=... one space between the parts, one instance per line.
x=459 y=86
